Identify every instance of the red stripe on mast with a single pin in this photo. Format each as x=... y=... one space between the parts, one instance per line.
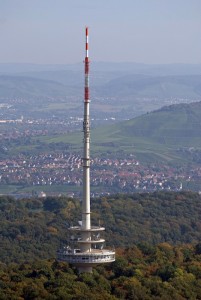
x=86 y=89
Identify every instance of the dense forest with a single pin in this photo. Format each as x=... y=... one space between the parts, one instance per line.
x=143 y=272
x=157 y=239
x=35 y=228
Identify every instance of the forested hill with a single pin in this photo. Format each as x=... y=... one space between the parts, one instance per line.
x=142 y=86
x=160 y=272
x=31 y=88
x=174 y=125
x=170 y=134
x=34 y=228
x=59 y=83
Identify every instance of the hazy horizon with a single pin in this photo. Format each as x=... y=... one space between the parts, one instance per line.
x=138 y=31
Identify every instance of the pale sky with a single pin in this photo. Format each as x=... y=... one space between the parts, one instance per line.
x=142 y=31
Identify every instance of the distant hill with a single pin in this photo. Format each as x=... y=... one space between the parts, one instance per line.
x=117 y=94
x=27 y=87
x=128 y=80
x=180 y=124
x=171 y=134
x=140 y=86
x=112 y=84
x=162 y=134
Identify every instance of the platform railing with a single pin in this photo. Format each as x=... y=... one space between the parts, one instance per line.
x=106 y=256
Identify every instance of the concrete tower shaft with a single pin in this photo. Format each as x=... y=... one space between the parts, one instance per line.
x=86 y=250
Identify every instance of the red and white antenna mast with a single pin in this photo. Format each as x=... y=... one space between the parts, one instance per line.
x=86 y=220
x=86 y=98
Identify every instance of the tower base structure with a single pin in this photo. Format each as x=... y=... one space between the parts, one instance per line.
x=85 y=260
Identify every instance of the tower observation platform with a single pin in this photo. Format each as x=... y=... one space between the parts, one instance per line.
x=86 y=247
x=85 y=252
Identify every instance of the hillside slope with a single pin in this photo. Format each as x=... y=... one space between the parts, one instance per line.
x=155 y=86
x=29 y=88
x=164 y=133
x=111 y=84
x=177 y=123
x=171 y=134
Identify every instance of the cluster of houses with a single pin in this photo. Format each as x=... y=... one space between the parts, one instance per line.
x=114 y=174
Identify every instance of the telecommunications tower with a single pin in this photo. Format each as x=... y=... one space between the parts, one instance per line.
x=85 y=248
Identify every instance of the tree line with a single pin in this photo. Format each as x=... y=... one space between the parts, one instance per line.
x=35 y=228
x=140 y=272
